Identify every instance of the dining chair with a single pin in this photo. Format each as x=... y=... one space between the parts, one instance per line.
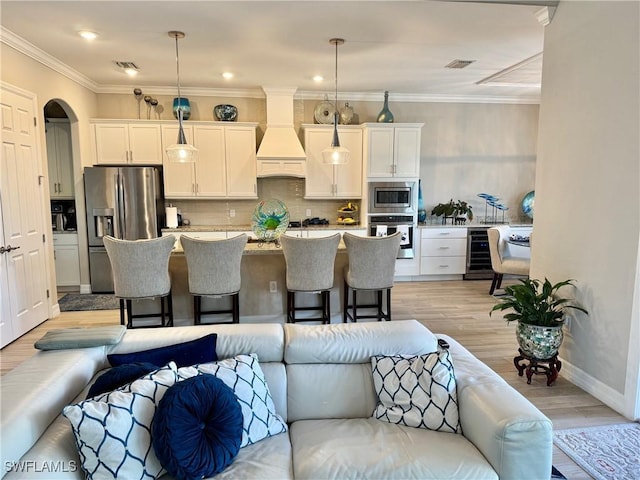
x=214 y=271
x=309 y=269
x=501 y=262
x=141 y=271
x=371 y=266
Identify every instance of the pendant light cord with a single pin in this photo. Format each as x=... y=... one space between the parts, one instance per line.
x=178 y=69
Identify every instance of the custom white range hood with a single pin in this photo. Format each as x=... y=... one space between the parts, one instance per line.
x=280 y=152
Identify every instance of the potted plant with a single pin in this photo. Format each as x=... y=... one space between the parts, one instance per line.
x=540 y=314
x=459 y=211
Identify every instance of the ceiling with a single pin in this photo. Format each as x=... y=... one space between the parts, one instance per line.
x=398 y=46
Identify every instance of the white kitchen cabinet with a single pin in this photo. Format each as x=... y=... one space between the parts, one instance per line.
x=333 y=181
x=443 y=251
x=226 y=165
x=392 y=150
x=67 y=261
x=240 y=146
x=126 y=143
x=59 y=158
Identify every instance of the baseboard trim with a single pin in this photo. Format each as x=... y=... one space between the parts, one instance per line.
x=595 y=387
x=85 y=288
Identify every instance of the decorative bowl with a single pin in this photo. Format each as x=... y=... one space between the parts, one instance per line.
x=225 y=113
x=270 y=219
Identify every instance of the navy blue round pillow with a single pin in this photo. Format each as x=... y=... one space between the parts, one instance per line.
x=118 y=376
x=197 y=428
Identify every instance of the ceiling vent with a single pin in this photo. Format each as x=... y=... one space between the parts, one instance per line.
x=459 y=64
x=126 y=65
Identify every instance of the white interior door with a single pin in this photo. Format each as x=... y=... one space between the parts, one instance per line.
x=23 y=263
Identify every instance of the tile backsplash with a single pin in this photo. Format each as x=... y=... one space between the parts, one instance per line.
x=287 y=189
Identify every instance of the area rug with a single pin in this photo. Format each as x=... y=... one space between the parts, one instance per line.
x=73 y=302
x=609 y=452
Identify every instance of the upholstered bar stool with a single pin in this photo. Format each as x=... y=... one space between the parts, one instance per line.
x=141 y=271
x=372 y=262
x=310 y=264
x=501 y=261
x=214 y=271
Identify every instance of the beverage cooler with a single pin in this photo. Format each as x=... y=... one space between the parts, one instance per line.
x=478 y=256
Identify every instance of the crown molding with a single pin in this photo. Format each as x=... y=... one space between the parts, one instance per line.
x=193 y=91
x=21 y=45
x=18 y=43
x=422 y=97
x=545 y=15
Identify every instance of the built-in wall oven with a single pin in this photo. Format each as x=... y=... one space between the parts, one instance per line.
x=393 y=208
x=383 y=225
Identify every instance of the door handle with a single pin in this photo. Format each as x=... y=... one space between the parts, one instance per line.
x=7 y=249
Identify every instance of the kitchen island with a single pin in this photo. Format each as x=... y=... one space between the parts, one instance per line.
x=262 y=264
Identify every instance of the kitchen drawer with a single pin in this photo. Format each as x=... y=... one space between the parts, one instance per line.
x=65 y=239
x=447 y=247
x=443 y=232
x=443 y=265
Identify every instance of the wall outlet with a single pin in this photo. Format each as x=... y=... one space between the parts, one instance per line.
x=232 y=212
x=308 y=212
x=273 y=286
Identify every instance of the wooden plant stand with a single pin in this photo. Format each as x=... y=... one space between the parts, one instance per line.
x=549 y=367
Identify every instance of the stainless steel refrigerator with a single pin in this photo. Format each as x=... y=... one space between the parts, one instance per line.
x=124 y=202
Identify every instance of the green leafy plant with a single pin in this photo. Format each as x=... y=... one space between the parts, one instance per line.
x=536 y=303
x=453 y=209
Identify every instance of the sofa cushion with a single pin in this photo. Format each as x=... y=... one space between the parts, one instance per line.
x=244 y=375
x=200 y=350
x=197 y=427
x=356 y=342
x=266 y=340
x=368 y=448
x=113 y=431
x=118 y=376
x=417 y=391
x=80 y=337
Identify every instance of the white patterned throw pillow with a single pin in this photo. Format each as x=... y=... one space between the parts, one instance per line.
x=417 y=391
x=113 y=430
x=245 y=377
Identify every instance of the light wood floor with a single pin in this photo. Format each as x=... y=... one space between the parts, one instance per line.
x=457 y=308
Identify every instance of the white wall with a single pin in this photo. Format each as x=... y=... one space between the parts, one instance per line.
x=28 y=74
x=587 y=189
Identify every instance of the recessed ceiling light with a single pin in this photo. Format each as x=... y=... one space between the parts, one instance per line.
x=318 y=78
x=88 y=34
x=227 y=75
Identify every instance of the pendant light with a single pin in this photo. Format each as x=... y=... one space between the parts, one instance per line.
x=335 y=154
x=181 y=151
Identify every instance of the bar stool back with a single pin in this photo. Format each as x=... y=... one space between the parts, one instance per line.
x=372 y=262
x=310 y=265
x=141 y=271
x=214 y=271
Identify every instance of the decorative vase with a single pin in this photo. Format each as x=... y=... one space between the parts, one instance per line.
x=538 y=342
x=346 y=114
x=385 y=115
x=422 y=213
x=183 y=104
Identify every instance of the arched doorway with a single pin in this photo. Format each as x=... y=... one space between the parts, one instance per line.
x=60 y=162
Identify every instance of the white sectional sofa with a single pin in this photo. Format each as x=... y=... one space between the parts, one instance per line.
x=321 y=383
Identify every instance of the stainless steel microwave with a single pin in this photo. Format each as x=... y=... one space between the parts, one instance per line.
x=393 y=197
